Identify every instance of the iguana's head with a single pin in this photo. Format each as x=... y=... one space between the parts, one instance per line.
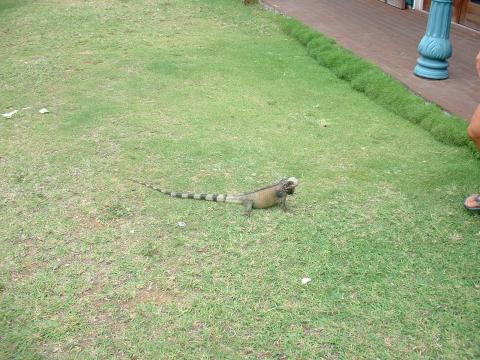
x=289 y=184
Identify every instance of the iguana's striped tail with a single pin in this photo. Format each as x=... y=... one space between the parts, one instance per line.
x=235 y=199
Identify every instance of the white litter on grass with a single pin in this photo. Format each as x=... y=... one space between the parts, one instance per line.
x=43 y=111
x=9 y=114
x=26 y=108
x=181 y=224
x=306 y=280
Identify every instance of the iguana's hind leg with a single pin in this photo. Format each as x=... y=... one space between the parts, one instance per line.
x=248 y=207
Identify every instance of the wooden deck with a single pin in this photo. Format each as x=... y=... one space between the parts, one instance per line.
x=389 y=37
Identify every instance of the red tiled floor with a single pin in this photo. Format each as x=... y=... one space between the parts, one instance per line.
x=389 y=37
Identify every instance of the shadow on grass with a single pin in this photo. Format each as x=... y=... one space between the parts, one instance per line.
x=10 y=4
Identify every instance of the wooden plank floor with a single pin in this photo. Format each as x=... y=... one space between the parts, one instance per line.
x=389 y=37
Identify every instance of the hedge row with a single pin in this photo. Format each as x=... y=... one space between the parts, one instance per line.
x=384 y=90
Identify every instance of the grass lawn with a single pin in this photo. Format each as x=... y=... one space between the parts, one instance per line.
x=210 y=96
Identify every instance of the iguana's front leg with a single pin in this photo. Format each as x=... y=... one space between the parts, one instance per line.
x=283 y=202
x=282 y=199
x=248 y=207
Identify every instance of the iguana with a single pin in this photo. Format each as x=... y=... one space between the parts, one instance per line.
x=258 y=199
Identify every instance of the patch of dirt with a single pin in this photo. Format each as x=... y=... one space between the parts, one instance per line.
x=313 y=331
x=149 y=295
x=29 y=264
x=197 y=327
x=85 y=221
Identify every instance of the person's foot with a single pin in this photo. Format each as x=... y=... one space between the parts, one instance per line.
x=472 y=202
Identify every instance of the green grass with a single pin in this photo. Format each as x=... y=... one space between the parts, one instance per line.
x=380 y=87
x=213 y=96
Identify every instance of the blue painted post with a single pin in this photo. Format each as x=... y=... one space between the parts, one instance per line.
x=435 y=47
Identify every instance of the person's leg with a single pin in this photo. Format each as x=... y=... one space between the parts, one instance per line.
x=474 y=128
x=473 y=201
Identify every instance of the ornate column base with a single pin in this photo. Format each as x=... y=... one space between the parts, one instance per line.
x=431 y=68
